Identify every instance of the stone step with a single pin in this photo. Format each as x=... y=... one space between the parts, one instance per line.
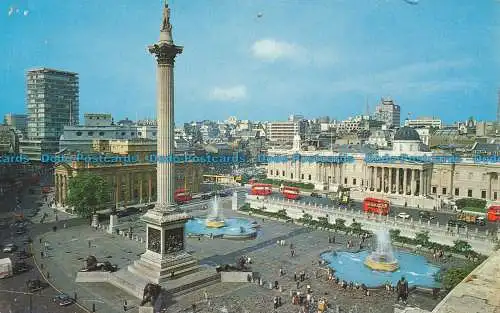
x=155 y=274
x=175 y=267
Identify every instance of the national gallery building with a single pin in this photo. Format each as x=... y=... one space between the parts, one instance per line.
x=408 y=171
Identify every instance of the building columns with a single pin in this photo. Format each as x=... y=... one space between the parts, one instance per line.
x=150 y=186
x=405 y=181
x=390 y=180
x=421 y=184
x=141 y=183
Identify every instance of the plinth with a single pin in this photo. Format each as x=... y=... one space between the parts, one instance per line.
x=165 y=257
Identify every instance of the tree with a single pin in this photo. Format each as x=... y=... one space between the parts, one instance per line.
x=356 y=228
x=307 y=217
x=339 y=224
x=395 y=234
x=282 y=213
x=323 y=222
x=461 y=246
x=422 y=238
x=87 y=192
x=454 y=276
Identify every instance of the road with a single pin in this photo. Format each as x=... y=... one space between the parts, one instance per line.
x=442 y=216
x=13 y=294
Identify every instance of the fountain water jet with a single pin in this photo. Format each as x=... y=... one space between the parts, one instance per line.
x=215 y=219
x=382 y=259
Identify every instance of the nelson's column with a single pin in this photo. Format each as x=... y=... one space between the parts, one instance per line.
x=165 y=256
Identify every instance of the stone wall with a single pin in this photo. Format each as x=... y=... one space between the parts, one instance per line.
x=235 y=277
x=481 y=243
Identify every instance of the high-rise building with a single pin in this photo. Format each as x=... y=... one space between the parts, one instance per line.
x=388 y=112
x=52 y=102
x=17 y=121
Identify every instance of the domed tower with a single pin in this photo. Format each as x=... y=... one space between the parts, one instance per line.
x=406 y=140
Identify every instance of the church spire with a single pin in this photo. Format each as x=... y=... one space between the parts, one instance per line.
x=166 y=27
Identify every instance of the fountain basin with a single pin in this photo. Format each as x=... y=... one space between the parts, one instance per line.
x=233 y=228
x=351 y=267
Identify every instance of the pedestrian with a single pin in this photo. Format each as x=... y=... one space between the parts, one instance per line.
x=48 y=275
x=308 y=289
x=76 y=298
x=40 y=240
x=295 y=276
x=402 y=289
x=205 y=294
x=298 y=284
x=90 y=244
x=193 y=307
x=281 y=271
x=41 y=254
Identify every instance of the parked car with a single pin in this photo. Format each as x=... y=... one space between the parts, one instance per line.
x=63 y=299
x=404 y=215
x=20 y=267
x=206 y=196
x=223 y=194
x=9 y=248
x=315 y=195
x=426 y=215
x=454 y=223
x=22 y=255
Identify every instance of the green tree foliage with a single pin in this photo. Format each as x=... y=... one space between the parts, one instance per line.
x=461 y=246
x=395 y=234
x=422 y=238
x=282 y=213
x=87 y=193
x=454 y=276
x=356 y=228
x=339 y=224
x=470 y=202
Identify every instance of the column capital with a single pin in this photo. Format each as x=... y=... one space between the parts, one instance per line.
x=165 y=53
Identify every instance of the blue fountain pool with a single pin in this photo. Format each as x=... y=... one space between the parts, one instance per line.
x=231 y=230
x=415 y=268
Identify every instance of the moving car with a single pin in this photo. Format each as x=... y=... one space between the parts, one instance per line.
x=9 y=248
x=315 y=195
x=63 y=299
x=404 y=215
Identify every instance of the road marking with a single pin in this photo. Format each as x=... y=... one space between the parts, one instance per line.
x=52 y=285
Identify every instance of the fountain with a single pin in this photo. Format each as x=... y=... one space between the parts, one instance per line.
x=382 y=259
x=216 y=226
x=382 y=266
x=215 y=218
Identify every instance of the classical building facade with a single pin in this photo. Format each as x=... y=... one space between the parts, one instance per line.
x=131 y=183
x=405 y=171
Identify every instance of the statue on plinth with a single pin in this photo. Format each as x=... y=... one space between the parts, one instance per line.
x=150 y=294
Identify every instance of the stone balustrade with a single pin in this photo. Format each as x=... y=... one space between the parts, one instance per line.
x=481 y=242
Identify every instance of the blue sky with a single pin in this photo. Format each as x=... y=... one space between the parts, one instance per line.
x=310 y=57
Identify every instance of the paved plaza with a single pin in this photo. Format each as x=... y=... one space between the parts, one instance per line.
x=67 y=249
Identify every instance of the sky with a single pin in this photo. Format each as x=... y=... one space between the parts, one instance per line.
x=262 y=59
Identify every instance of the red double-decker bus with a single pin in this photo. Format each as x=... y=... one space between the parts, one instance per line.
x=494 y=213
x=291 y=192
x=377 y=206
x=182 y=195
x=261 y=189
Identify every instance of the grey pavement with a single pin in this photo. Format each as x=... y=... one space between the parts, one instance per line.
x=69 y=247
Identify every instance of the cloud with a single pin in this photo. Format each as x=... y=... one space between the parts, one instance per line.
x=234 y=93
x=422 y=77
x=271 y=50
